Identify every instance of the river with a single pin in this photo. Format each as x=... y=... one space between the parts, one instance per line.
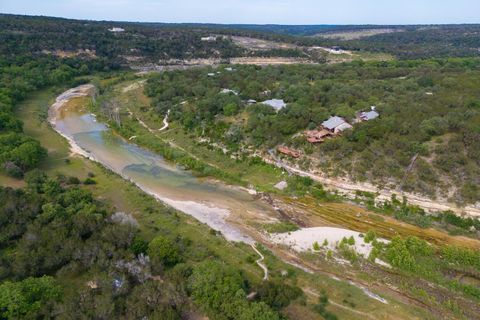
x=209 y=202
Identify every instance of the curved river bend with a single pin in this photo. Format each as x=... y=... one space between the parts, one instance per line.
x=208 y=202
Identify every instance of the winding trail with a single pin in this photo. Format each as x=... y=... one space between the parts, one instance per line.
x=260 y=263
x=165 y=121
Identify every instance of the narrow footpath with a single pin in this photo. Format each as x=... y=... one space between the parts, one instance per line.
x=260 y=263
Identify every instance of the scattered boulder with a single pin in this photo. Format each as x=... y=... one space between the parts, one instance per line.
x=281 y=185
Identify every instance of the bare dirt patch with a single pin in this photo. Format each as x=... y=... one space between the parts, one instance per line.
x=356 y=34
x=260 y=44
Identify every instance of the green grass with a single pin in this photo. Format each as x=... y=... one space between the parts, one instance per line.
x=280 y=227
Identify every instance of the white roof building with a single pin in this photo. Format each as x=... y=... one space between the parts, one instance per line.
x=209 y=38
x=342 y=127
x=369 y=115
x=333 y=122
x=276 y=104
x=115 y=29
x=229 y=91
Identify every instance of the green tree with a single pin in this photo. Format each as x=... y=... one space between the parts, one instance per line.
x=230 y=109
x=31 y=298
x=398 y=255
x=163 y=250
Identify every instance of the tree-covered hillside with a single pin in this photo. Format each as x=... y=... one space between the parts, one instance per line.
x=63 y=37
x=428 y=109
x=403 y=42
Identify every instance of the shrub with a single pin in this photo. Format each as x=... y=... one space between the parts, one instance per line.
x=163 y=250
x=89 y=181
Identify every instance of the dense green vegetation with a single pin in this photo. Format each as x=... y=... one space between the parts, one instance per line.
x=442 y=127
x=19 y=76
x=55 y=234
x=93 y=40
x=416 y=256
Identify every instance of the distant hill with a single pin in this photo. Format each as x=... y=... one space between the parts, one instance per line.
x=153 y=41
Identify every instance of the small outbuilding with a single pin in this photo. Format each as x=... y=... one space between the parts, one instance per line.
x=317 y=136
x=276 y=104
x=368 y=115
x=344 y=126
x=228 y=91
x=115 y=29
x=289 y=152
x=209 y=38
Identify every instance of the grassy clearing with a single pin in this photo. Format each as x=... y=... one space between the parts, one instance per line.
x=280 y=227
x=10 y=182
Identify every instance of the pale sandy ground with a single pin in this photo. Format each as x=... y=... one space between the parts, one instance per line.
x=134 y=86
x=303 y=239
x=332 y=51
x=80 y=91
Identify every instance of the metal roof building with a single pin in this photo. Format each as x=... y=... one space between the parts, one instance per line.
x=370 y=115
x=342 y=127
x=276 y=104
x=333 y=122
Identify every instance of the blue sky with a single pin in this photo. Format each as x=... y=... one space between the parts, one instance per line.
x=256 y=11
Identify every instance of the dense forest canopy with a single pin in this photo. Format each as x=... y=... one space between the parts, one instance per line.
x=55 y=229
x=19 y=76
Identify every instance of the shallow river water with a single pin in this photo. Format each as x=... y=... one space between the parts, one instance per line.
x=209 y=202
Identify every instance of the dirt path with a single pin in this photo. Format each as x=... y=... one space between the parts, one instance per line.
x=165 y=126
x=260 y=263
x=350 y=187
x=360 y=313
x=165 y=121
